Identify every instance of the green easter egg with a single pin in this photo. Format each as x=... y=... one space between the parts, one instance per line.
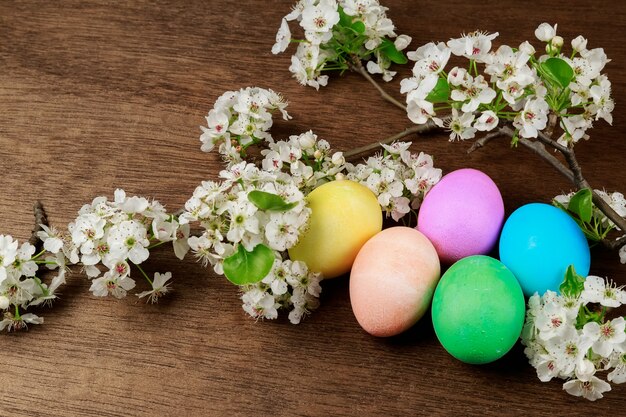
x=478 y=310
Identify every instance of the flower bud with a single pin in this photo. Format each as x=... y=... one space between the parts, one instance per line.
x=557 y=42
x=402 y=42
x=338 y=159
x=307 y=140
x=579 y=43
x=340 y=176
x=317 y=154
x=545 y=32
x=527 y=48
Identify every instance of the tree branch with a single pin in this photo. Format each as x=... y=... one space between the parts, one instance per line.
x=356 y=66
x=608 y=211
x=430 y=126
x=40 y=218
x=540 y=149
x=573 y=173
x=614 y=244
x=479 y=143
x=542 y=137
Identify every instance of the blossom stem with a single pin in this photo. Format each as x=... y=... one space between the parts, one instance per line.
x=356 y=66
x=156 y=245
x=416 y=129
x=144 y=274
x=34 y=258
x=17 y=313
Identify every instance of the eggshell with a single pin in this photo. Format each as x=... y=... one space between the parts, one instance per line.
x=344 y=215
x=462 y=215
x=478 y=310
x=392 y=280
x=538 y=243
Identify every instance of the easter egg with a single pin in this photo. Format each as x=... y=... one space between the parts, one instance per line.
x=538 y=243
x=344 y=215
x=462 y=215
x=392 y=281
x=478 y=310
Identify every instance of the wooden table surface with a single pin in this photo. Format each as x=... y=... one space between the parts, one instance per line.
x=100 y=95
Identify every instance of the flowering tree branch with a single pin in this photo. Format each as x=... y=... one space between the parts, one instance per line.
x=572 y=172
x=428 y=127
x=357 y=67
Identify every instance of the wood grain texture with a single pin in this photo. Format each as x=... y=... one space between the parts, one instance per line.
x=99 y=95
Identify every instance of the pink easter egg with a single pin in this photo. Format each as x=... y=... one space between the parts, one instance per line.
x=462 y=215
x=392 y=281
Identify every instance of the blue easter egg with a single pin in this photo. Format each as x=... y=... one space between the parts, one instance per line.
x=538 y=243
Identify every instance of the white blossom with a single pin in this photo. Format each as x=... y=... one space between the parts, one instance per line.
x=487 y=121
x=52 y=239
x=475 y=45
x=461 y=126
x=596 y=290
x=160 y=287
x=283 y=37
x=606 y=336
x=532 y=118
x=591 y=390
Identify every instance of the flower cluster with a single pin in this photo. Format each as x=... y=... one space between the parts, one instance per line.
x=288 y=285
x=231 y=215
x=119 y=233
x=568 y=336
x=339 y=34
x=398 y=178
x=249 y=219
x=307 y=159
x=516 y=86
x=240 y=119
x=20 y=287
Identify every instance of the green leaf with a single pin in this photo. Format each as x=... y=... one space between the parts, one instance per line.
x=558 y=71
x=269 y=201
x=388 y=49
x=245 y=267
x=581 y=204
x=573 y=284
x=440 y=93
x=358 y=27
x=344 y=19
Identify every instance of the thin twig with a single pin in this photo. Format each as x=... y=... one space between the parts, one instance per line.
x=40 y=218
x=358 y=67
x=484 y=140
x=373 y=146
x=614 y=244
x=551 y=142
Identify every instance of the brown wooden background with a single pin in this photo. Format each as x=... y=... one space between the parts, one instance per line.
x=99 y=95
